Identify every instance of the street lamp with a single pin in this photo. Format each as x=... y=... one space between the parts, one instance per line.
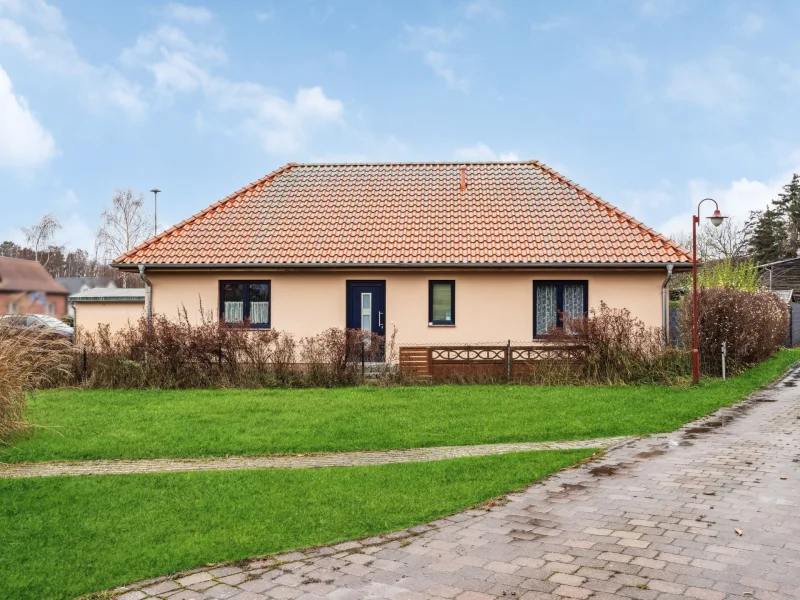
x=716 y=220
x=155 y=209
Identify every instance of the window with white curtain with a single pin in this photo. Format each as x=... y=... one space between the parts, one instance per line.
x=556 y=302
x=245 y=302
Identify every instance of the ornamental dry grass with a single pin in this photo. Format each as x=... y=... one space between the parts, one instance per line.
x=754 y=326
x=30 y=359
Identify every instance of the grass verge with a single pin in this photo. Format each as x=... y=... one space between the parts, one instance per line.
x=79 y=424
x=67 y=536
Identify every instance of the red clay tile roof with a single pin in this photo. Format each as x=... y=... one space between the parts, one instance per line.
x=400 y=214
x=17 y=275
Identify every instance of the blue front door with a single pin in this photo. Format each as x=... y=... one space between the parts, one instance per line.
x=366 y=306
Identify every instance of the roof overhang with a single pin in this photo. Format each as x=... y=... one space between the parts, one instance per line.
x=339 y=266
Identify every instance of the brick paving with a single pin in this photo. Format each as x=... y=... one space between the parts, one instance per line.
x=297 y=461
x=707 y=512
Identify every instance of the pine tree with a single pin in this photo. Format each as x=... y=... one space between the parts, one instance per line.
x=768 y=236
x=788 y=205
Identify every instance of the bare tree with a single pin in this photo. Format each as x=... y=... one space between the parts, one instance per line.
x=39 y=235
x=729 y=240
x=123 y=226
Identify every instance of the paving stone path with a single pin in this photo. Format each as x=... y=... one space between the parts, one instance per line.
x=711 y=511
x=296 y=461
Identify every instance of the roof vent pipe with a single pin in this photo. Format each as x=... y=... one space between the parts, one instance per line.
x=462 y=178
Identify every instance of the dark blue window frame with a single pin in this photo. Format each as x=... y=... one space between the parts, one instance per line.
x=559 y=300
x=246 y=300
x=452 y=284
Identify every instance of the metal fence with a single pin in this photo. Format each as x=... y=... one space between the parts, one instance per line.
x=794 y=324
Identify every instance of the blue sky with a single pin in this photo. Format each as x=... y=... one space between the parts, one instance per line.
x=652 y=104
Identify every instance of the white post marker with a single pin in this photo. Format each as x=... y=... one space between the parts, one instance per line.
x=724 y=353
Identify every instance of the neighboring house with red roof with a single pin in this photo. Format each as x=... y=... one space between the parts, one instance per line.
x=447 y=252
x=27 y=288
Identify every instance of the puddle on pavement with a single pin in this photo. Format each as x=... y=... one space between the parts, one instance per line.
x=650 y=453
x=698 y=430
x=604 y=470
x=571 y=487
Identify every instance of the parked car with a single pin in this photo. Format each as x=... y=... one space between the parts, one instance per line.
x=51 y=324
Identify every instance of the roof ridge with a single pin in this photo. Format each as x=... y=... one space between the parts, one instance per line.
x=149 y=242
x=607 y=205
x=414 y=163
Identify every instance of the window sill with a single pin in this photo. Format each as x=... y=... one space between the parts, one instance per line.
x=441 y=325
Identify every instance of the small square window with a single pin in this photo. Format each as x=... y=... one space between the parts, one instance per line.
x=441 y=302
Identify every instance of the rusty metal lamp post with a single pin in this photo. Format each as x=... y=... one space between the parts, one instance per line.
x=716 y=220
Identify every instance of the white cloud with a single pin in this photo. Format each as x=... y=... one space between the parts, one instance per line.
x=37 y=31
x=265 y=15
x=440 y=62
x=75 y=233
x=68 y=200
x=482 y=152
x=736 y=199
x=551 y=24
x=25 y=143
x=433 y=44
x=751 y=24
x=483 y=9
x=612 y=59
x=183 y=12
x=182 y=66
x=661 y=9
x=713 y=83
x=283 y=126
x=637 y=202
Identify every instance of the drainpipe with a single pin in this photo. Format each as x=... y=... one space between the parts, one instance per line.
x=148 y=295
x=664 y=305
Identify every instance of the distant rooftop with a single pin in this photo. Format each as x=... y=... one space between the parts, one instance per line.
x=78 y=284
x=109 y=295
x=17 y=275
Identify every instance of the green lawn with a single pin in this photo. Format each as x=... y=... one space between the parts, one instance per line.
x=66 y=536
x=141 y=424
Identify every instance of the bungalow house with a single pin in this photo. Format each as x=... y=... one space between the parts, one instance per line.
x=448 y=253
x=27 y=288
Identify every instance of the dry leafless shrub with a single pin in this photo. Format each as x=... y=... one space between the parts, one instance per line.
x=30 y=359
x=179 y=354
x=620 y=349
x=754 y=326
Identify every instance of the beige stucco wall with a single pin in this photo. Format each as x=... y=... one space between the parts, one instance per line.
x=117 y=315
x=490 y=306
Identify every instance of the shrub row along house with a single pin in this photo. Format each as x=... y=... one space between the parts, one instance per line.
x=448 y=253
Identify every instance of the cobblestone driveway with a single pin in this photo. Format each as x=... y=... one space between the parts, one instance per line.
x=710 y=512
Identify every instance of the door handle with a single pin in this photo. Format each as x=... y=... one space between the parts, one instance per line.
x=380 y=319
